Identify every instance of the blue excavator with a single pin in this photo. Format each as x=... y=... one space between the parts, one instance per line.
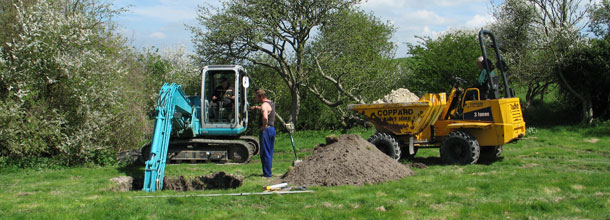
x=200 y=128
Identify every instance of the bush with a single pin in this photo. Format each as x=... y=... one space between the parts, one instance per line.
x=62 y=89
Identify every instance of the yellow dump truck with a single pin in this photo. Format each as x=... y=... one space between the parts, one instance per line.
x=468 y=123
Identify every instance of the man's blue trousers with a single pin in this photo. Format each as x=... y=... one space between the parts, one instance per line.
x=267 y=141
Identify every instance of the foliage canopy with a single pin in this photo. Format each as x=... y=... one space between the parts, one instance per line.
x=435 y=61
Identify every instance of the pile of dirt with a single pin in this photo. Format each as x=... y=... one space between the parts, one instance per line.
x=219 y=180
x=418 y=165
x=122 y=184
x=346 y=160
x=398 y=96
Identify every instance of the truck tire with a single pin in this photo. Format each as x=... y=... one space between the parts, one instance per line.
x=460 y=148
x=492 y=152
x=387 y=144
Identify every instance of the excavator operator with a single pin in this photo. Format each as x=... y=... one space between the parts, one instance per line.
x=224 y=96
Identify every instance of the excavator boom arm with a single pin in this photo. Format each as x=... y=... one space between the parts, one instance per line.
x=172 y=102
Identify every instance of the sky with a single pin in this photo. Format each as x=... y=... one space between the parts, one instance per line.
x=161 y=23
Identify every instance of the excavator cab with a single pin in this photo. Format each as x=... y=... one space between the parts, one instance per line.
x=224 y=103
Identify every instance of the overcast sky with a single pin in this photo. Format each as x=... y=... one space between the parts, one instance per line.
x=161 y=23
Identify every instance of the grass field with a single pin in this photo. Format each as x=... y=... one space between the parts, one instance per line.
x=561 y=172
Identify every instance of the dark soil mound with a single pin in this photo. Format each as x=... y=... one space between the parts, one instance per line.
x=347 y=160
x=418 y=165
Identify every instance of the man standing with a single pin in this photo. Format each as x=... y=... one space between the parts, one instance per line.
x=266 y=130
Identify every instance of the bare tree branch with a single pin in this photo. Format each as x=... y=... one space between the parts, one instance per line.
x=319 y=95
x=337 y=84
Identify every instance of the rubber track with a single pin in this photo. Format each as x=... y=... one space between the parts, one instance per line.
x=243 y=143
x=250 y=144
x=253 y=140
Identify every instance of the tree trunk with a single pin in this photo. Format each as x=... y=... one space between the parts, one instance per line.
x=534 y=89
x=587 y=112
x=296 y=104
x=528 y=98
x=587 y=107
x=542 y=94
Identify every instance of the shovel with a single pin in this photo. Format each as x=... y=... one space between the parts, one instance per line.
x=290 y=128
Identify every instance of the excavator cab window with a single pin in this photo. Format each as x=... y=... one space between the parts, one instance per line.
x=220 y=96
x=224 y=103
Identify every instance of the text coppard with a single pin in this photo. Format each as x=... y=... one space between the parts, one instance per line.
x=393 y=112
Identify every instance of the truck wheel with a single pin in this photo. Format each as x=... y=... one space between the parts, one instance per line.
x=387 y=144
x=460 y=148
x=492 y=152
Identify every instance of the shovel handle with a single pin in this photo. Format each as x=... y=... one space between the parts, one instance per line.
x=293 y=148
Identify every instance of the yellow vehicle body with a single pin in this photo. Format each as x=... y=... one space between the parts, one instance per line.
x=492 y=122
x=403 y=118
x=432 y=120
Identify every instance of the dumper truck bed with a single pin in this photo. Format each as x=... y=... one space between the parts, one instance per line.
x=408 y=118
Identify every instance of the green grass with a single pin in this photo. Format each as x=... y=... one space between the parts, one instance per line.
x=554 y=173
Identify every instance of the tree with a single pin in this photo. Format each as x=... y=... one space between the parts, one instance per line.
x=560 y=21
x=552 y=29
x=587 y=68
x=517 y=33
x=599 y=18
x=61 y=91
x=351 y=61
x=148 y=70
x=435 y=61
x=273 y=34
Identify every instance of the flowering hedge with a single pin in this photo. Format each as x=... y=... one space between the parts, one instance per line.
x=62 y=84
